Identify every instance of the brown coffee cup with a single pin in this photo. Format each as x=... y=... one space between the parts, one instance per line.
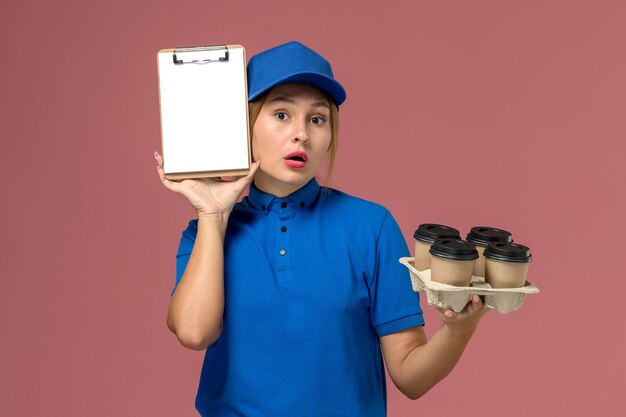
x=482 y=236
x=452 y=262
x=425 y=236
x=506 y=265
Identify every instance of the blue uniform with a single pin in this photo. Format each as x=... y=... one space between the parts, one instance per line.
x=311 y=281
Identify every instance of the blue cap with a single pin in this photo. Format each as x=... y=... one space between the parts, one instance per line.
x=292 y=62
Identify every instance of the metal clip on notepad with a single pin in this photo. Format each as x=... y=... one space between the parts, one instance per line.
x=200 y=55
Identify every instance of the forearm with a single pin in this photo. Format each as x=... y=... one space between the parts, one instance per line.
x=428 y=364
x=196 y=309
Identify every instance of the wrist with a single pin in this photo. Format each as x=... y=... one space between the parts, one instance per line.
x=456 y=330
x=212 y=220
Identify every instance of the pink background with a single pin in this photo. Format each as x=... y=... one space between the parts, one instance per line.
x=503 y=113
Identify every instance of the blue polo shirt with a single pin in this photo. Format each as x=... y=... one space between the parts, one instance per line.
x=311 y=282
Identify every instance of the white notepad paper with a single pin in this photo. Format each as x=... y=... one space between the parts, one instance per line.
x=204 y=111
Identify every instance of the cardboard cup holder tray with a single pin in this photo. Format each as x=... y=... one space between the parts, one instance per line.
x=503 y=300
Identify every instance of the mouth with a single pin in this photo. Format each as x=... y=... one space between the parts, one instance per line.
x=296 y=159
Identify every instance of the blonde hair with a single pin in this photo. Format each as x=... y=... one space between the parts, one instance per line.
x=254 y=108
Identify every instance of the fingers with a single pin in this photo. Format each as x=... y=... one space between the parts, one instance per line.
x=170 y=185
x=448 y=313
x=474 y=306
x=159 y=160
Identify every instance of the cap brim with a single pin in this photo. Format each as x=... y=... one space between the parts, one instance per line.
x=322 y=81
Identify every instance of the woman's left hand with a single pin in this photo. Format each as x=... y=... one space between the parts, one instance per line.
x=465 y=321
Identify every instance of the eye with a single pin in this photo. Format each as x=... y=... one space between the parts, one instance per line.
x=281 y=115
x=317 y=120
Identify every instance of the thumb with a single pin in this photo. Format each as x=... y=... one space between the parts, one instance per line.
x=477 y=304
x=240 y=184
x=248 y=178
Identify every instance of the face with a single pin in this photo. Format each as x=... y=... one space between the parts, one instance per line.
x=290 y=137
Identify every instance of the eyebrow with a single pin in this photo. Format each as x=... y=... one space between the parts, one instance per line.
x=286 y=99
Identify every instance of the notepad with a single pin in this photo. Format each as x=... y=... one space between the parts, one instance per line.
x=204 y=111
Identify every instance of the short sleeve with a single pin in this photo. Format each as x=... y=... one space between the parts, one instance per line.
x=185 y=247
x=394 y=304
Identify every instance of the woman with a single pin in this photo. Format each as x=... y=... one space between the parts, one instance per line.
x=296 y=291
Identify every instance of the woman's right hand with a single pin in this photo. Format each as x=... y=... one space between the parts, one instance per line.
x=209 y=196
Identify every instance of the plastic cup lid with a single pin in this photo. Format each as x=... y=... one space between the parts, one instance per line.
x=454 y=249
x=429 y=232
x=508 y=252
x=484 y=235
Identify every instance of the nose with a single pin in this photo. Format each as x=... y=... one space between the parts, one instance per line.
x=300 y=132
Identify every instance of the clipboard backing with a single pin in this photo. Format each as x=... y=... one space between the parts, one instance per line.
x=203 y=100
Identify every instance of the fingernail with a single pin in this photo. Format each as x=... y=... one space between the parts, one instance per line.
x=448 y=313
x=156 y=155
x=475 y=298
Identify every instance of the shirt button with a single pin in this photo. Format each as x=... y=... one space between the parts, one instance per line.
x=282 y=252
x=283 y=204
x=283 y=229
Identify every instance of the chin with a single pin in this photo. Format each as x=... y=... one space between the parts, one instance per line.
x=294 y=180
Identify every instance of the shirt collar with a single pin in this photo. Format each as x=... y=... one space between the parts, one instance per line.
x=303 y=197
